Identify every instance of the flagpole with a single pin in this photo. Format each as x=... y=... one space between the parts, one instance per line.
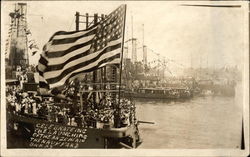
x=120 y=79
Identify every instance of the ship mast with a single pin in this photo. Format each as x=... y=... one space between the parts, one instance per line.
x=134 y=43
x=19 y=48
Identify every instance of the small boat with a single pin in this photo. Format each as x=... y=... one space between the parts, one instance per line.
x=161 y=93
x=219 y=87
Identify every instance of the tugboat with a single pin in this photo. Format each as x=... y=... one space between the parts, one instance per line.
x=164 y=91
x=88 y=113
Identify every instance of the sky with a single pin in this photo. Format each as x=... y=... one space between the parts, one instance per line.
x=191 y=36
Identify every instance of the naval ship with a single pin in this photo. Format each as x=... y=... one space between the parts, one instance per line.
x=89 y=113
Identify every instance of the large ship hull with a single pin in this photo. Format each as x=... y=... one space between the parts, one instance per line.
x=159 y=95
x=27 y=132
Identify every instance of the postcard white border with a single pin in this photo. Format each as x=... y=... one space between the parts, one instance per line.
x=140 y=152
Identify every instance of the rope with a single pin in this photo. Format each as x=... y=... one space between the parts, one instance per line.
x=71 y=24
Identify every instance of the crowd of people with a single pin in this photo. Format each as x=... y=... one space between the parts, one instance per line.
x=21 y=102
x=69 y=111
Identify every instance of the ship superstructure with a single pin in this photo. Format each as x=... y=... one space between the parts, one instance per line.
x=18 y=55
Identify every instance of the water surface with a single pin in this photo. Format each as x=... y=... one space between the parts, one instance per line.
x=201 y=122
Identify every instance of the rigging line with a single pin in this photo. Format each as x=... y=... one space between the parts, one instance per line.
x=128 y=40
x=169 y=60
x=73 y=19
x=153 y=51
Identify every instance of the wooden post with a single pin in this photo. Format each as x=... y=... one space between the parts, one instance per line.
x=87 y=20
x=102 y=16
x=103 y=69
x=77 y=29
x=81 y=102
x=106 y=143
x=95 y=72
x=116 y=104
x=77 y=21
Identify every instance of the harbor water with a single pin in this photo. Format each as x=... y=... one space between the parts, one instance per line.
x=208 y=122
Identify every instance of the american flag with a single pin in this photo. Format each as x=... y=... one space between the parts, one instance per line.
x=68 y=54
x=108 y=30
